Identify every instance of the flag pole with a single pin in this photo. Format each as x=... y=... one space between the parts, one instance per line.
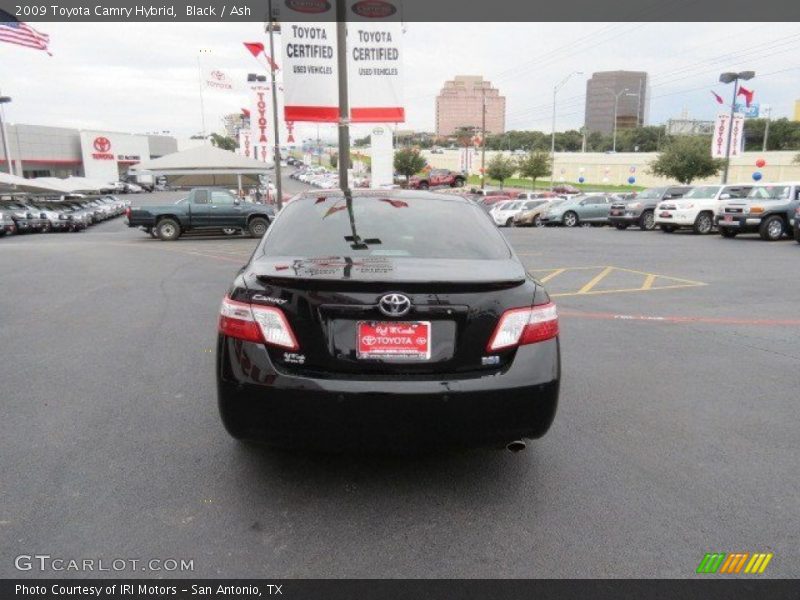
x=277 y=153
x=200 y=83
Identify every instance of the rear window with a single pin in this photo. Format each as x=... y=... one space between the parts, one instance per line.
x=407 y=227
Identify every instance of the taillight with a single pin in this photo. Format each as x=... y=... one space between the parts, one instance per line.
x=255 y=323
x=128 y=211
x=521 y=326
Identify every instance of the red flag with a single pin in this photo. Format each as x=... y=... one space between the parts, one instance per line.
x=718 y=97
x=255 y=48
x=272 y=63
x=748 y=95
x=395 y=203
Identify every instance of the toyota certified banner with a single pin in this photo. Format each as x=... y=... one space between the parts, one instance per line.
x=374 y=68
x=374 y=54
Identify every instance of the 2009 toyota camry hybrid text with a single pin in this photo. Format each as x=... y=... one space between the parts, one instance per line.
x=399 y=319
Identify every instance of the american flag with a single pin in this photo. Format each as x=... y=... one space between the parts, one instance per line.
x=21 y=34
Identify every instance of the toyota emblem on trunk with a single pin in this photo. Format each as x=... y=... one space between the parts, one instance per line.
x=394 y=305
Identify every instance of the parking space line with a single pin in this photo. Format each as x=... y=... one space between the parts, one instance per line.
x=597 y=279
x=648 y=282
x=555 y=273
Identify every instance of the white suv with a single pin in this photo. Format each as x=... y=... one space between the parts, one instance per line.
x=696 y=209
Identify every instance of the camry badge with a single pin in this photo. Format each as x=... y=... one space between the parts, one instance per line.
x=394 y=305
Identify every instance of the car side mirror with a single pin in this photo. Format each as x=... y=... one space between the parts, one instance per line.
x=584 y=202
x=236 y=201
x=725 y=197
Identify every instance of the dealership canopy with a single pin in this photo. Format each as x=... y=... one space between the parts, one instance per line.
x=204 y=165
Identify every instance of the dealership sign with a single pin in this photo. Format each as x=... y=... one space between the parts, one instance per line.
x=102 y=145
x=374 y=61
x=218 y=80
x=722 y=128
x=106 y=154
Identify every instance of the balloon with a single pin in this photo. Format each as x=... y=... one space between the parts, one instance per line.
x=632 y=169
x=581 y=179
x=757 y=176
x=761 y=163
x=631 y=179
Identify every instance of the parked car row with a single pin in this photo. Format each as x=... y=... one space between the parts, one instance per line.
x=26 y=214
x=771 y=210
x=321 y=177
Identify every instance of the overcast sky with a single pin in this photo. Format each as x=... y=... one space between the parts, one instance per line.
x=138 y=77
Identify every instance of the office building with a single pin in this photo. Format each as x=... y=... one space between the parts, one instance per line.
x=629 y=90
x=460 y=104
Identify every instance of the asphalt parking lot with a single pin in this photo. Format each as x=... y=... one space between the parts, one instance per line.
x=676 y=433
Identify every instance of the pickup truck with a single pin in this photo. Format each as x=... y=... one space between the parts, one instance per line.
x=437 y=177
x=203 y=208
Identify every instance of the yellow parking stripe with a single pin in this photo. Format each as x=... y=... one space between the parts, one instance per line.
x=764 y=564
x=555 y=273
x=648 y=281
x=597 y=279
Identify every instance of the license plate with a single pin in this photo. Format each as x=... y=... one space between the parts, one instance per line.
x=665 y=215
x=616 y=212
x=728 y=218
x=378 y=339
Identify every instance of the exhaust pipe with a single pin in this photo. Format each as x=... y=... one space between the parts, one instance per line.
x=516 y=446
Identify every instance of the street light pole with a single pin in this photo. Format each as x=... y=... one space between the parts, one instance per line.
x=277 y=152
x=556 y=87
x=728 y=78
x=6 y=100
x=768 y=111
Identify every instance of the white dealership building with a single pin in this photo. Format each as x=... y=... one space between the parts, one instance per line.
x=42 y=151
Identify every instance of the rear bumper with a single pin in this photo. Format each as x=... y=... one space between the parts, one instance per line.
x=258 y=403
x=625 y=219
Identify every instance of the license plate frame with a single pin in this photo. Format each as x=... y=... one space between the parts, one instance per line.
x=373 y=340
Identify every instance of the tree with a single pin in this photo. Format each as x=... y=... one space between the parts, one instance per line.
x=501 y=168
x=223 y=142
x=408 y=162
x=686 y=159
x=534 y=165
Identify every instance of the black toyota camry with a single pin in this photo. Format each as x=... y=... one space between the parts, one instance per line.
x=396 y=320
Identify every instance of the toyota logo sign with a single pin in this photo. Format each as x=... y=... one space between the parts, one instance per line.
x=394 y=305
x=102 y=144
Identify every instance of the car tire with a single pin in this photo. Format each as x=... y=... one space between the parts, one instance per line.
x=668 y=228
x=772 y=229
x=423 y=185
x=257 y=227
x=537 y=221
x=647 y=222
x=458 y=182
x=570 y=219
x=229 y=230
x=168 y=230
x=727 y=233
x=46 y=227
x=621 y=226
x=703 y=224
x=509 y=222
x=153 y=233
